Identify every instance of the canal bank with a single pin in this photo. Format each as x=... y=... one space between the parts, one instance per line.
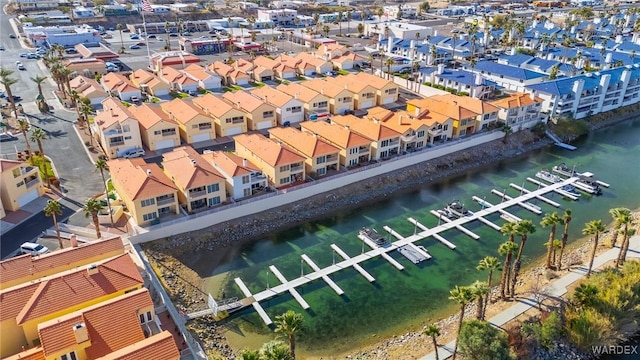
x=250 y=260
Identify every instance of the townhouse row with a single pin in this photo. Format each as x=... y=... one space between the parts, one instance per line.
x=120 y=127
x=41 y=320
x=288 y=156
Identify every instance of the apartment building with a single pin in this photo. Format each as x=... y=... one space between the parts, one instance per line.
x=520 y=110
x=88 y=88
x=320 y=156
x=289 y=110
x=194 y=124
x=260 y=114
x=118 y=85
x=316 y=105
x=116 y=128
x=229 y=119
x=464 y=120
x=149 y=83
x=243 y=178
x=157 y=130
x=21 y=183
x=387 y=91
x=385 y=142
x=487 y=113
x=340 y=98
x=414 y=132
x=355 y=149
x=364 y=94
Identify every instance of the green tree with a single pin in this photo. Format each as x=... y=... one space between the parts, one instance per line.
x=289 y=324
x=479 y=340
x=388 y=64
x=38 y=80
x=594 y=227
x=547 y=332
x=275 y=350
x=54 y=209
x=507 y=130
x=250 y=355
x=552 y=220
x=91 y=208
x=523 y=228
x=506 y=249
x=425 y=7
x=360 y=29
x=348 y=17
x=379 y=12
x=553 y=74
x=433 y=331
x=23 y=126
x=617 y=214
x=119 y=27
x=585 y=295
x=491 y=264
x=37 y=136
x=8 y=82
x=325 y=30
x=462 y=295
x=101 y=165
x=565 y=235
x=626 y=220
x=480 y=291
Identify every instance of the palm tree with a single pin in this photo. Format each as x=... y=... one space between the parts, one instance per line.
x=289 y=324
x=594 y=227
x=388 y=64
x=101 y=165
x=75 y=99
x=506 y=129
x=7 y=81
x=380 y=12
x=506 y=249
x=462 y=295
x=119 y=27
x=625 y=220
x=167 y=28
x=24 y=126
x=565 y=235
x=616 y=214
x=523 y=228
x=65 y=74
x=250 y=355
x=585 y=295
x=348 y=17
x=325 y=30
x=54 y=209
x=37 y=135
x=491 y=264
x=38 y=80
x=87 y=110
x=552 y=220
x=433 y=331
x=480 y=292
x=275 y=350
x=91 y=208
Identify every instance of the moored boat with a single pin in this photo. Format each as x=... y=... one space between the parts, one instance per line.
x=372 y=234
x=548 y=177
x=563 y=170
x=571 y=190
x=456 y=209
x=589 y=185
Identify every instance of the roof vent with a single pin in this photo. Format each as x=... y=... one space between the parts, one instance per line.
x=193 y=162
x=92 y=269
x=148 y=172
x=80 y=332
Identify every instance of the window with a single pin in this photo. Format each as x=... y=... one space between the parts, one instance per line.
x=157 y=132
x=487 y=116
x=321 y=104
x=419 y=144
x=295 y=109
x=168 y=132
x=246 y=192
x=284 y=181
x=390 y=91
x=235 y=120
x=213 y=188
x=353 y=151
x=353 y=162
x=69 y=356
x=267 y=114
x=463 y=132
x=148 y=202
x=322 y=171
x=446 y=127
x=463 y=122
x=245 y=179
x=384 y=143
x=149 y=216
x=346 y=99
x=127 y=137
x=420 y=133
x=214 y=201
x=284 y=168
x=141 y=317
x=321 y=159
x=149 y=317
x=194 y=126
x=126 y=128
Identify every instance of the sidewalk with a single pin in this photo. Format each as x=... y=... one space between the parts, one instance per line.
x=557 y=288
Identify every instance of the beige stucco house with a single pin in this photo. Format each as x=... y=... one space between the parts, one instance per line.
x=320 y=156
x=193 y=123
x=116 y=128
x=229 y=119
x=21 y=184
x=260 y=114
x=157 y=129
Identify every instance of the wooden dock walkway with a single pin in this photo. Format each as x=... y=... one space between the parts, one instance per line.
x=323 y=273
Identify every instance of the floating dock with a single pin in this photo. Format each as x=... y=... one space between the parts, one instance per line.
x=404 y=245
x=529 y=206
x=444 y=218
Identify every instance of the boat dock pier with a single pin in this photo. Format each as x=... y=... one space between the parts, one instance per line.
x=467 y=232
x=601 y=183
x=404 y=244
x=536 y=210
x=548 y=201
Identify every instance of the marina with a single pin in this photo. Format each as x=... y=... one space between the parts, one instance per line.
x=375 y=244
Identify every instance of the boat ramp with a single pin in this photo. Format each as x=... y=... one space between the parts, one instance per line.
x=379 y=245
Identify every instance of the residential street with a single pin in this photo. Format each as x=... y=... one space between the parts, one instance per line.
x=77 y=176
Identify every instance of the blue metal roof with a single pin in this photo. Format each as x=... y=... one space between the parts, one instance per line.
x=564 y=86
x=508 y=71
x=543 y=64
x=461 y=76
x=517 y=59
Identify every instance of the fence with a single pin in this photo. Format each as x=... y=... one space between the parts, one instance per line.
x=291 y=195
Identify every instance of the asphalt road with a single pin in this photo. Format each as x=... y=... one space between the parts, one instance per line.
x=78 y=179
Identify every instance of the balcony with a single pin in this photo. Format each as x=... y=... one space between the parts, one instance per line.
x=331 y=158
x=165 y=201
x=363 y=150
x=409 y=138
x=435 y=132
x=296 y=168
x=394 y=142
x=169 y=133
x=113 y=132
x=204 y=127
x=196 y=194
x=32 y=182
x=116 y=143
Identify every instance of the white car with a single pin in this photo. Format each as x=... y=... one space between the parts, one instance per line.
x=33 y=249
x=132 y=153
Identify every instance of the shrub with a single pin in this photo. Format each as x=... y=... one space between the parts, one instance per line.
x=479 y=340
x=428 y=83
x=463 y=93
x=544 y=332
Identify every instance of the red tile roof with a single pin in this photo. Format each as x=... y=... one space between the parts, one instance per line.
x=32 y=354
x=374 y=130
x=157 y=347
x=140 y=180
x=229 y=163
x=336 y=134
x=305 y=143
x=268 y=150
x=189 y=169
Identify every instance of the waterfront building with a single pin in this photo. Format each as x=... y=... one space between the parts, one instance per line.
x=28 y=305
x=385 y=142
x=193 y=123
x=89 y=88
x=116 y=128
x=316 y=105
x=355 y=149
x=509 y=77
x=157 y=129
x=289 y=110
x=320 y=156
x=149 y=83
x=260 y=114
x=520 y=110
x=414 y=131
x=340 y=98
x=21 y=183
x=118 y=85
x=462 y=81
x=228 y=118
x=464 y=120
x=199 y=185
x=487 y=113
x=281 y=165
x=242 y=177
x=147 y=191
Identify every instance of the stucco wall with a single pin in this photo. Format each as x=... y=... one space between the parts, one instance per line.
x=324 y=185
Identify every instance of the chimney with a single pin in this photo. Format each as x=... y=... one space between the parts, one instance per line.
x=532 y=95
x=148 y=172
x=266 y=99
x=618 y=39
x=244 y=162
x=440 y=69
x=80 y=332
x=73 y=239
x=609 y=58
x=478 y=79
x=92 y=269
x=193 y=162
x=322 y=91
x=238 y=105
x=295 y=96
x=400 y=120
x=346 y=127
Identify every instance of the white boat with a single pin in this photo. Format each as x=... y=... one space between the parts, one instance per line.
x=548 y=177
x=564 y=170
x=456 y=209
x=589 y=185
x=372 y=234
x=570 y=189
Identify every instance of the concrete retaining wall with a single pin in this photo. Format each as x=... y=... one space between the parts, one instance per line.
x=311 y=189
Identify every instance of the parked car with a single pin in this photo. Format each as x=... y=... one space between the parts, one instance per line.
x=134 y=37
x=20 y=66
x=1 y=48
x=12 y=36
x=151 y=36
x=33 y=56
x=126 y=30
x=135 y=100
x=5 y=136
x=33 y=249
x=71 y=51
x=173 y=35
x=132 y=153
x=23 y=55
x=134 y=47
